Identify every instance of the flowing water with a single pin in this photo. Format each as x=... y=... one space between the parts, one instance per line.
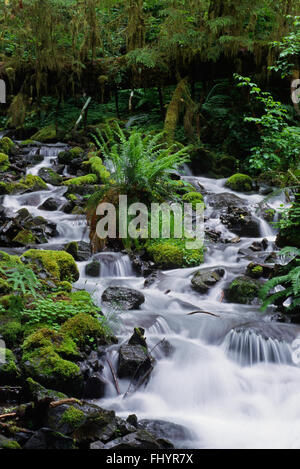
x=230 y=379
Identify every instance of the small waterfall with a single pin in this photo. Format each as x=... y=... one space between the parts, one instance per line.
x=246 y=347
x=114 y=264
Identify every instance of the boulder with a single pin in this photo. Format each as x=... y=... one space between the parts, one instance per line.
x=242 y=290
x=93 y=269
x=203 y=281
x=50 y=204
x=134 y=361
x=50 y=176
x=45 y=438
x=122 y=298
x=241 y=222
x=138 y=440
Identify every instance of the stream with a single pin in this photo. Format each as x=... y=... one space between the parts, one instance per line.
x=230 y=379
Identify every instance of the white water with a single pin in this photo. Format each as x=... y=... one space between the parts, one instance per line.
x=230 y=380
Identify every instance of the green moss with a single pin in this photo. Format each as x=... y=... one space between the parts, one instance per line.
x=98 y=167
x=78 y=211
x=65 y=286
x=87 y=179
x=60 y=264
x=194 y=198
x=10 y=444
x=30 y=182
x=4 y=287
x=9 y=259
x=38 y=392
x=72 y=197
x=24 y=238
x=76 y=151
x=49 y=369
x=72 y=417
x=27 y=142
x=6 y=145
x=239 y=183
x=9 y=371
x=11 y=331
x=45 y=337
x=45 y=134
x=4 y=162
x=254 y=270
x=84 y=329
x=172 y=253
x=242 y=290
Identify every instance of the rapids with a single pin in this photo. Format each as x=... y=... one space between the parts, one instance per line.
x=231 y=380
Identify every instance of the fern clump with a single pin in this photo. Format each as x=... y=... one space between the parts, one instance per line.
x=289 y=279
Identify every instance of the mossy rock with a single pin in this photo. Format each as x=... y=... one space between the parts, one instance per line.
x=11 y=330
x=50 y=176
x=46 y=134
x=9 y=371
x=172 y=253
x=254 y=270
x=25 y=237
x=66 y=157
x=193 y=198
x=28 y=183
x=239 y=183
x=48 y=368
x=7 y=145
x=82 y=180
x=4 y=162
x=97 y=167
x=46 y=337
x=7 y=443
x=59 y=264
x=65 y=286
x=85 y=329
x=9 y=259
x=288 y=237
x=37 y=392
x=71 y=419
x=242 y=290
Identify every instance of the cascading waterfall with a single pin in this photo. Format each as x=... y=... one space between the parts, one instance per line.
x=230 y=384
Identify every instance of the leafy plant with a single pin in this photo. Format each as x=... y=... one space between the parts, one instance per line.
x=21 y=278
x=279 y=142
x=289 y=280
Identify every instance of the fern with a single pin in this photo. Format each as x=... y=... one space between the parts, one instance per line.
x=21 y=278
x=290 y=282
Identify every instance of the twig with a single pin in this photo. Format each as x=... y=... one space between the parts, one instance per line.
x=114 y=376
x=64 y=401
x=5 y=416
x=204 y=312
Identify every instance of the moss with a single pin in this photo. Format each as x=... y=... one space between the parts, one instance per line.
x=10 y=444
x=65 y=286
x=30 y=182
x=37 y=392
x=6 y=145
x=254 y=270
x=78 y=211
x=24 y=238
x=242 y=290
x=84 y=328
x=8 y=258
x=76 y=151
x=45 y=134
x=4 y=162
x=98 y=167
x=87 y=179
x=49 y=369
x=50 y=176
x=11 y=332
x=9 y=371
x=72 y=197
x=4 y=287
x=194 y=198
x=239 y=183
x=73 y=417
x=26 y=143
x=60 y=264
x=46 y=337
x=166 y=255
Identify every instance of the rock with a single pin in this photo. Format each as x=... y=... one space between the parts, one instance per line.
x=50 y=176
x=138 y=440
x=93 y=269
x=239 y=182
x=242 y=290
x=164 y=429
x=122 y=298
x=36 y=392
x=94 y=387
x=203 y=281
x=97 y=445
x=225 y=199
x=132 y=420
x=137 y=337
x=7 y=443
x=240 y=221
x=59 y=264
x=45 y=438
x=50 y=204
x=10 y=393
x=134 y=361
x=259 y=245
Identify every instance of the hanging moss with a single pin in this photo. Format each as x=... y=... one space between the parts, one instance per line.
x=180 y=98
x=17 y=111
